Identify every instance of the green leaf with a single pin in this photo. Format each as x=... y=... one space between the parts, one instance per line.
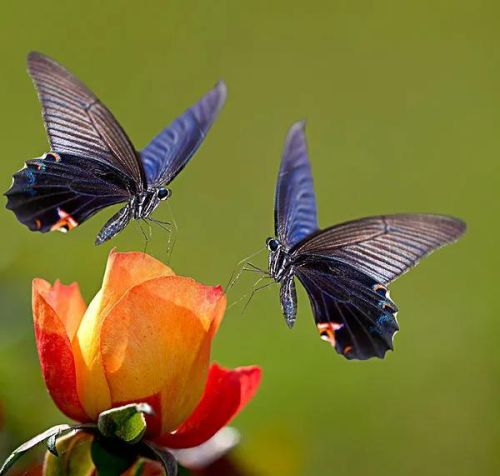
x=74 y=459
x=52 y=434
x=126 y=423
x=184 y=471
x=166 y=458
x=138 y=468
x=111 y=457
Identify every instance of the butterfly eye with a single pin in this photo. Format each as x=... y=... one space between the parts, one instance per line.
x=164 y=193
x=272 y=244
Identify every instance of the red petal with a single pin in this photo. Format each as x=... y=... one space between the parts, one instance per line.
x=226 y=393
x=56 y=356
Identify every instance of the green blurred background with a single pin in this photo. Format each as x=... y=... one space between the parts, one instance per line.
x=402 y=101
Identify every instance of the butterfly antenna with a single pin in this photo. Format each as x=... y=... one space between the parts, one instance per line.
x=240 y=267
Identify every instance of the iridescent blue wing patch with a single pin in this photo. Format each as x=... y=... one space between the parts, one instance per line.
x=295 y=215
x=61 y=191
x=169 y=152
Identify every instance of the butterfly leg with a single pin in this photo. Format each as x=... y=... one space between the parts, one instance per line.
x=171 y=230
x=172 y=237
x=146 y=238
x=240 y=267
x=256 y=289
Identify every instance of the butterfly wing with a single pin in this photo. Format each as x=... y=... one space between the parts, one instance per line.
x=295 y=215
x=383 y=247
x=168 y=153
x=59 y=192
x=77 y=123
x=352 y=311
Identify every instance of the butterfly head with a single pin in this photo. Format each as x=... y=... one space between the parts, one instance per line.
x=164 y=193
x=278 y=259
x=143 y=204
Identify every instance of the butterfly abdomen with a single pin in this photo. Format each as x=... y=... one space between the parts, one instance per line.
x=114 y=225
x=288 y=299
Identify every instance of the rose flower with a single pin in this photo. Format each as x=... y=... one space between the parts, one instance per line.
x=145 y=337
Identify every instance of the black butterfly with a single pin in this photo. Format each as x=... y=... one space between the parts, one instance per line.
x=92 y=163
x=345 y=269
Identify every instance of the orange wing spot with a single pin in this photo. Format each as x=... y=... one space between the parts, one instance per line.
x=327 y=331
x=38 y=223
x=52 y=155
x=379 y=287
x=66 y=222
x=347 y=349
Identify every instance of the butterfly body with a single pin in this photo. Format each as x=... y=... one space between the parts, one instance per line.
x=140 y=207
x=93 y=164
x=345 y=269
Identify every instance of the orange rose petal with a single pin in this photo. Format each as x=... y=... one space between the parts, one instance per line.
x=185 y=394
x=218 y=312
x=226 y=393
x=67 y=303
x=157 y=339
x=125 y=270
x=56 y=357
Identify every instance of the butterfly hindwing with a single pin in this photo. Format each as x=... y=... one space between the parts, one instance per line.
x=78 y=123
x=61 y=191
x=168 y=153
x=295 y=214
x=352 y=311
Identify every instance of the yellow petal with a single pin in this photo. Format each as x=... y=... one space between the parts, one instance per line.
x=125 y=270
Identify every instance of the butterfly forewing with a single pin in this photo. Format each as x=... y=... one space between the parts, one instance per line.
x=295 y=215
x=168 y=153
x=78 y=123
x=383 y=247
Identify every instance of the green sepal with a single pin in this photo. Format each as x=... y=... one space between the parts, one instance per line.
x=111 y=457
x=184 y=471
x=74 y=457
x=51 y=434
x=52 y=445
x=126 y=423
